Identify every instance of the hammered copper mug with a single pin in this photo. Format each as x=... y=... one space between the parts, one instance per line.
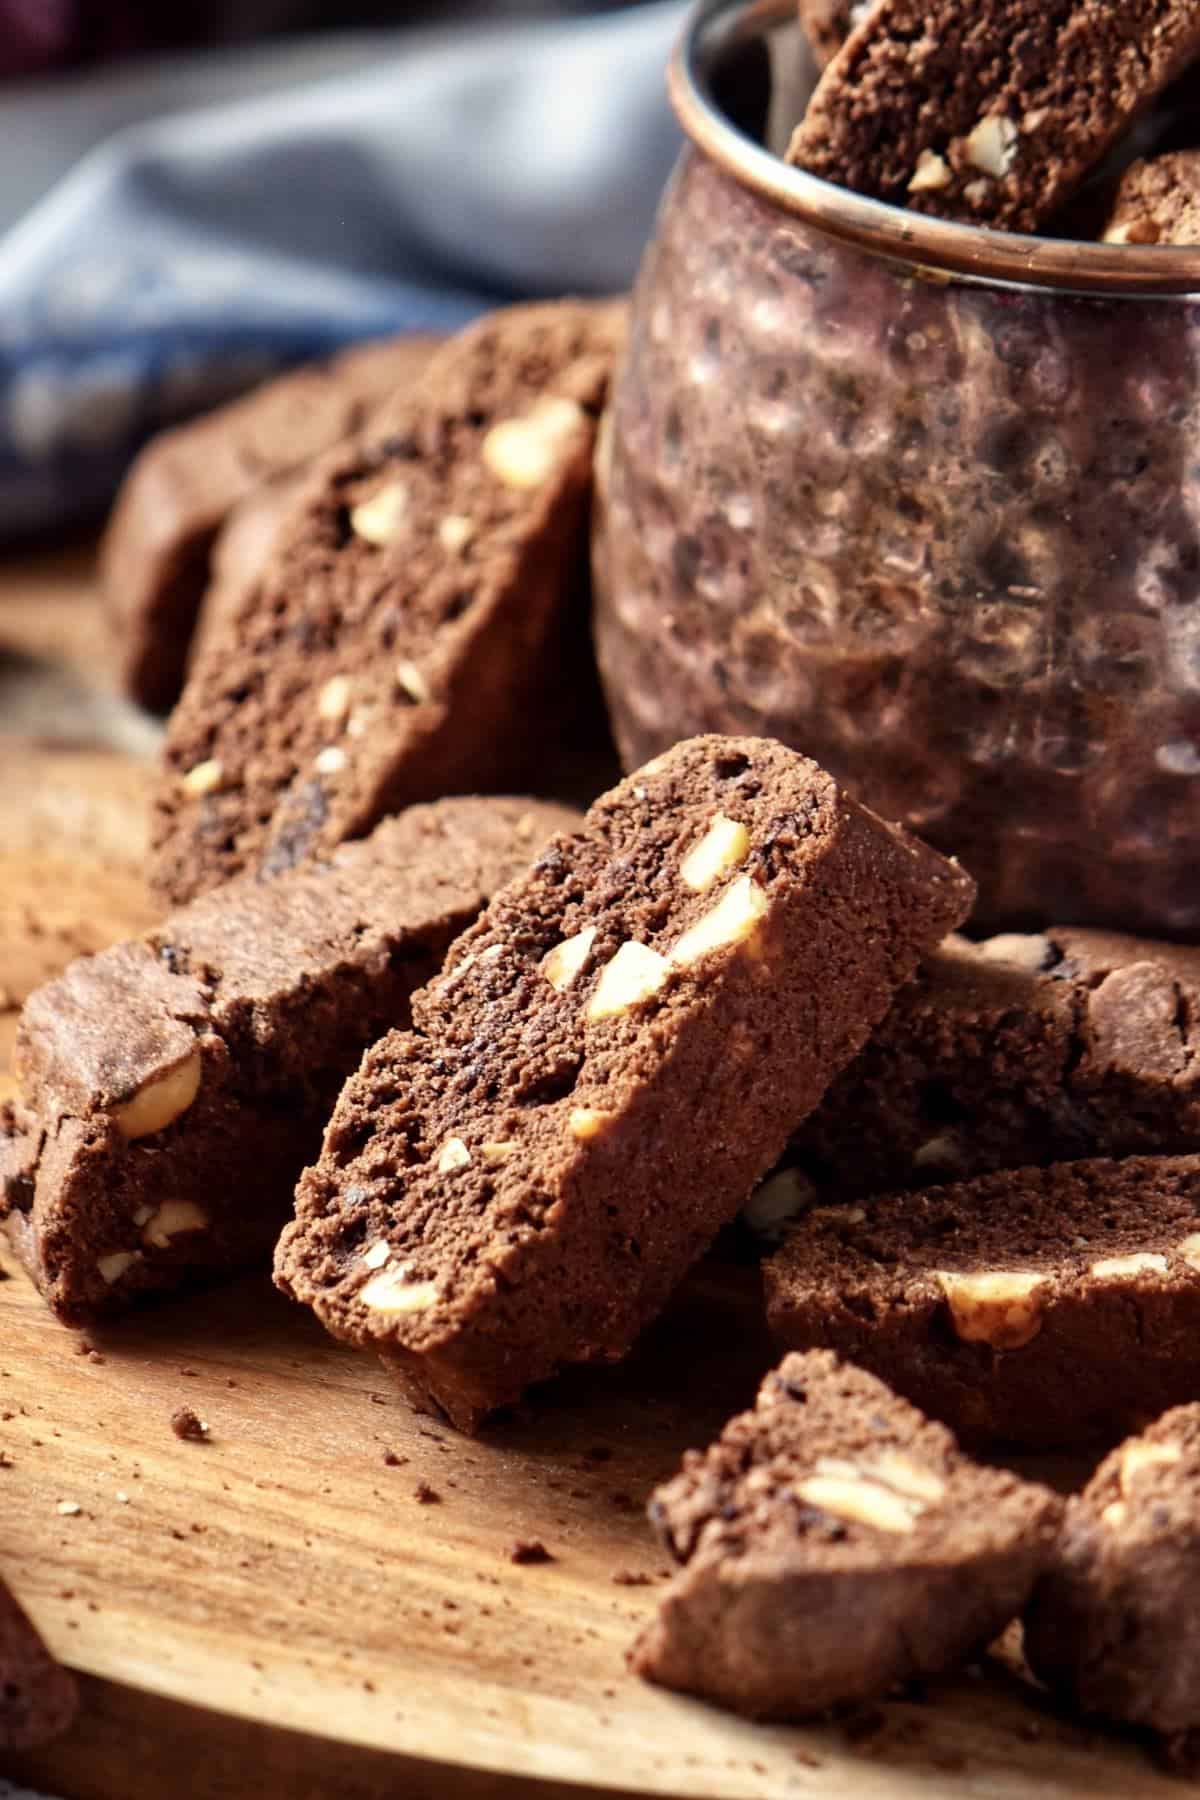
x=921 y=499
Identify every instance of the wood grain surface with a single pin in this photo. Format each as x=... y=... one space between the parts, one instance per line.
x=286 y=1576
x=276 y=1611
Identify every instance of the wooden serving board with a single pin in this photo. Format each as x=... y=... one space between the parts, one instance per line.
x=286 y=1573
x=275 y=1612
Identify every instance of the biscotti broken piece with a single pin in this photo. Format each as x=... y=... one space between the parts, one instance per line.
x=154 y=561
x=1022 y=1049
x=38 y=1697
x=173 y=1087
x=417 y=605
x=611 y=1057
x=1040 y=1307
x=1113 y=1625
x=833 y=1544
x=1157 y=202
x=991 y=113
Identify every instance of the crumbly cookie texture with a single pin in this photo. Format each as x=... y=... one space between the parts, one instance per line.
x=834 y=1543
x=38 y=1697
x=1157 y=202
x=1036 y=1307
x=992 y=113
x=417 y=614
x=1113 y=1625
x=155 y=558
x=610 y=1059
x=1022 y=1049
x=173 y=1087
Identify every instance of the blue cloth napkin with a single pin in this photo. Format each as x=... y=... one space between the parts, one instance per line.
x=190 y=253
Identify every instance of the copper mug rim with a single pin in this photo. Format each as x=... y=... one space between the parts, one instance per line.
x=925 y=244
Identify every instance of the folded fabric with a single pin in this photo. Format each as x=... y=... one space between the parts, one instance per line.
x=191 y=254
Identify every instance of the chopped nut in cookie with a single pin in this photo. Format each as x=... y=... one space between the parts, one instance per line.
x=161 y=1101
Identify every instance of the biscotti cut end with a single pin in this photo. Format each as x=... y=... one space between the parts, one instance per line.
x=608 y=1061
x=994 y=113
x=1043 y=1308
x=1023 y=1049
x=428 y=577
x=833 y=1543
x=173 y=1087
x=1113 y=1624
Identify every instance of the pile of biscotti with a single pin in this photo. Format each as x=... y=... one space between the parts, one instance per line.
x=1014 y=114
x=485 y=1076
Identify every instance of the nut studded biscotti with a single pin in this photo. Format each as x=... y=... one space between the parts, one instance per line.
x=1039 y=1307
x=412 y=616
x=155 y=557
x=38 y=1697
x=1018 y=1050
x=1157 y=202
x=173 y=1087
x=833 y=1544
x=1113 y=1625
x=992 y=113
x=611 y=1057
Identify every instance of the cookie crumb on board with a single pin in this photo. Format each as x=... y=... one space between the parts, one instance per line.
x=426 y=1495
x=530 y=1550
x=186 y=1423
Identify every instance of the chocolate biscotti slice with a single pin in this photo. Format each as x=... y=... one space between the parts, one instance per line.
x=834 y=1543
x=1037 y=1307
x=1019 y=1050
x=613 y=1055
x=154 y=562
x=991 y=113
x=38 y=1697
x=1114 y=1622
x=1157 y=201
x=173 y=1087
x=403 y=638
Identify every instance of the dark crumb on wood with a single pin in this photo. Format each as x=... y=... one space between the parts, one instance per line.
x=83 y=1347
x=631 y=1578
x=393 y=1461
x=377 y=1399
x=186 y=1423
x=428 y=1496
x=807 y=1759
x=529 y=1550
x=189 y=1371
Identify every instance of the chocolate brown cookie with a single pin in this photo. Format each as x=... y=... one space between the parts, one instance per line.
x=1113 y=1625
x=1038 y=1307
x=403 y=641
x=833 y=1544
x=1020 y=1050
x=991 y=113
x=38 y=1697
x=611 y=1057
x=155 y=555
x=173 y=1087
x=1157 y=202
